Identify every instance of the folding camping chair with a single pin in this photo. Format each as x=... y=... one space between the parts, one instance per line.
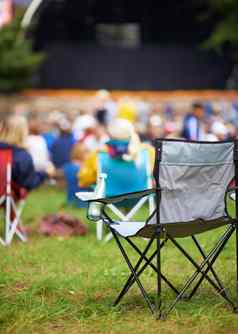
x=192 y=182
x=101 y=190
x=12 y=210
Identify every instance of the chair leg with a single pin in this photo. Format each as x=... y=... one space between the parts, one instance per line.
x=197 y=266
x=2 y=242
x=108 y=237
x=15 y=221
x=222 y=292
x=146 y=297
x=211 y=258
x=202 y=277
x=20 y=232
x=7 y=220
x=99 y=229
x=236 y=245
x=158 y=296
x=130 y=280
x=149 y=262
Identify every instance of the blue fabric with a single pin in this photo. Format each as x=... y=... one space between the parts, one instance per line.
x=235 y=108
x=191 y=127
x=116 y=148
x=124 y=176
x=208 y=110
x=60 y=152
x=50 y=138
x=71 y=170
x=23 y=171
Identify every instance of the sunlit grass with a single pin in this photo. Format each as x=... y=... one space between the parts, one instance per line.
x=56 y=285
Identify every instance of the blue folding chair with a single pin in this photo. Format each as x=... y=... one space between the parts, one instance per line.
x=117 y=176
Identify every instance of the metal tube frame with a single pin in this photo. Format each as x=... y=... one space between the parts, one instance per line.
x=212 y=270
x=209 y=261
x=203 y=268
x=236 y=207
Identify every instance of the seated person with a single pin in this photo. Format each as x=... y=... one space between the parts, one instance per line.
x=49 y=131
x=36 y=144
x=126 y=161
x=60 y=150
x=13 y=135
x=71 y=170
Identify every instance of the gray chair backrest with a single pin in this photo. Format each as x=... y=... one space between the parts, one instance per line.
x=194 y=178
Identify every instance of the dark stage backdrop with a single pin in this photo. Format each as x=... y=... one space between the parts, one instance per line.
x=71 y=65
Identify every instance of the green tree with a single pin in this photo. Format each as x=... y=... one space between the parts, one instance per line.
x=17 y=60
x=225 y=31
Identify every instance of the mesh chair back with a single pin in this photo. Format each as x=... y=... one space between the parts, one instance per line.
x=194 y=177
x=5 y=160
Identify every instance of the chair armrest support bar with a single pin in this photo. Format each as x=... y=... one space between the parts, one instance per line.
x=119 y=198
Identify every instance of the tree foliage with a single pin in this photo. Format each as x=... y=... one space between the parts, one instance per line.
x=225 y=31
x=17 y=60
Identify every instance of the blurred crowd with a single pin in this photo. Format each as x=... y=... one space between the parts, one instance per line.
x=67 y=144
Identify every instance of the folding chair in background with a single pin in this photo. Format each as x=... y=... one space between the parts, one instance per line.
x=11 y=205
x=192 y=182
x=108 y=181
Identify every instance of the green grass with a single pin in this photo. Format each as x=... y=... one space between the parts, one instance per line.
x=56 y=285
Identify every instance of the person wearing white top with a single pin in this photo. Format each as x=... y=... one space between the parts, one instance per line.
x=37 y=147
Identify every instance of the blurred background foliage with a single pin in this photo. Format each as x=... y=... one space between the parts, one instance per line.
x=225 y=32
x=18 y=62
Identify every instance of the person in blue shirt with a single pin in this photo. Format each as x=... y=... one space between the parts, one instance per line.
x=192 y=124
x=71 y=170
x=61 y=148
x=50 y=138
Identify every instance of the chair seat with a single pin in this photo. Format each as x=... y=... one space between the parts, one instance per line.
x=178 y=230
x=127 y=228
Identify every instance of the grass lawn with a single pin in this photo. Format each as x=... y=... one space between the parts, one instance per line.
x=55 y=285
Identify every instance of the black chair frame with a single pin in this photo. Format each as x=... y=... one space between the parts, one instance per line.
x=160 y=238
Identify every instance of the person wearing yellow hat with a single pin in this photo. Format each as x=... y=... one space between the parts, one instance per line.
x=127 y=110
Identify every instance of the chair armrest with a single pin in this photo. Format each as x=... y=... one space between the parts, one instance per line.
x=119 y=198
x=97 y=193
x=86 y=195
